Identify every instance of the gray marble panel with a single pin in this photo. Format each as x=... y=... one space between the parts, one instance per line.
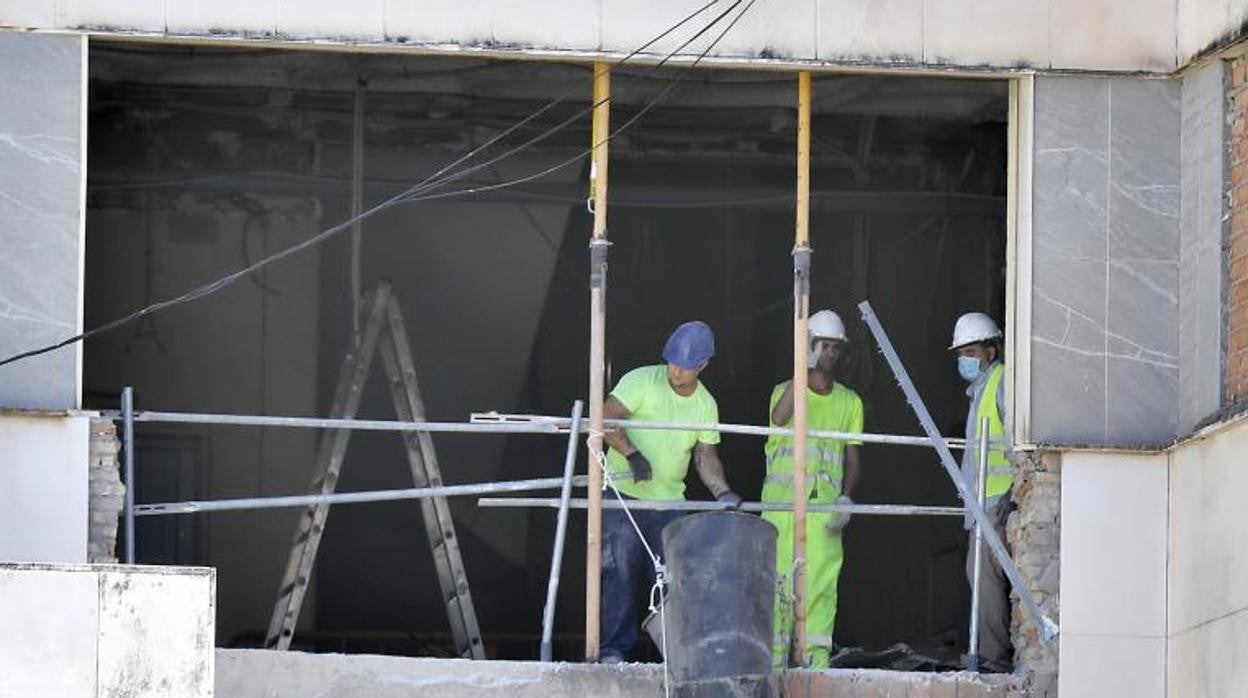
x=1070 y=190
x=41 y=105
x=1201 y=234
x=1070 y=167
x=1142 y=354
x=1137 y=417
x=1144 y=168
x=1143 y=273
x=1068 y=367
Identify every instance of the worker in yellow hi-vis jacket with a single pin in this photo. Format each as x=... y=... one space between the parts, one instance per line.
x=977 y=343
x=832 y=471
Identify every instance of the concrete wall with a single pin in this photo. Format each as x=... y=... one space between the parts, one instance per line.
x=1113 y=586
x=1127 y=35
x=1104 y=335
x=42 y=148
x=104 y=631
x=43 y=488
x=1207 y=611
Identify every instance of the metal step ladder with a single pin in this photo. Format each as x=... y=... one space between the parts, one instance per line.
x=384 y=332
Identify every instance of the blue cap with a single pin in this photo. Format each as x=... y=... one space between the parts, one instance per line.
x=691 y=344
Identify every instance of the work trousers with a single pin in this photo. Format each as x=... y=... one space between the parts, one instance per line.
x=625 y=568
x=994 y=598
x=824 y=557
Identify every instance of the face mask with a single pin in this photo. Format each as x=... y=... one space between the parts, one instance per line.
x=968 y=368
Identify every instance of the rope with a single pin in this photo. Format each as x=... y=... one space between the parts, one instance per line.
x=660 y=571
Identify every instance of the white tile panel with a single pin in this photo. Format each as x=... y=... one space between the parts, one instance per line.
x=870 y=30
x=549 y=23
x=212 y=16
x=27 y=14
x=1100 y=666
x=773 y=29
x=628 y=24
x=1209 y=660
x=156 y=633
x=331 y=19
x=437 y=21
x=49 y=645
x=1208 y=529
x=1113 y=544
x=142 y=15
x=1113 y=35
x=971 y=32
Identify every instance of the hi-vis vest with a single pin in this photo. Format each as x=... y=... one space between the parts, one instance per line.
x=1000 y=472
x=825 y=458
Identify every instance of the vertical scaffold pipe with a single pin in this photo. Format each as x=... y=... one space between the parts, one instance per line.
x=597 y=352
x=801 y=313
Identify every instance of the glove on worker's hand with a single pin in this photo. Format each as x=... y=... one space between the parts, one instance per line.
x=835 y=526
x=639 y=466
x=731 y=500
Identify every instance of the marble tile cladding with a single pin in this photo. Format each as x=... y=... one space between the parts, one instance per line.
x=40 y=213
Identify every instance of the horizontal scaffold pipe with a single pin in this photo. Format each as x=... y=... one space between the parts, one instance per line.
x=534 y=425
x=752 y=507
x=280 y=502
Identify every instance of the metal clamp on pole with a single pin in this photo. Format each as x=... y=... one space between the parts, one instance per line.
x=801 y=269
x=598 y=262
x=981 y=489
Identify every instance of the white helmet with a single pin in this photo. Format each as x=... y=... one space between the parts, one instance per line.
x=972 y=328
x=826 y=324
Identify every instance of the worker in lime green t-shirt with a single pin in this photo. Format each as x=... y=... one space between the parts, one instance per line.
x=651 y=464
x=832 y=472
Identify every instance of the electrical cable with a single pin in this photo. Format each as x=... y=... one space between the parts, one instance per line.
x=412 y=195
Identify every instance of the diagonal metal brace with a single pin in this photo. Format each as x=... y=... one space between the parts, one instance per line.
x=1048 y=629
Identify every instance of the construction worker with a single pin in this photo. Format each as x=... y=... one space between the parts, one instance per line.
x=832 y=472
x=977 y=342
x=651 y=464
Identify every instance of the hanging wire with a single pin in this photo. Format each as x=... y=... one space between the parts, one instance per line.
x=419 y=191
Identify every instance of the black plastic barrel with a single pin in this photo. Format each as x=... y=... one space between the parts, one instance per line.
x=721 y=570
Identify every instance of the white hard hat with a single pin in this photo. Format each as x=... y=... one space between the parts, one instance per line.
x=972 y=328
x=827 y=325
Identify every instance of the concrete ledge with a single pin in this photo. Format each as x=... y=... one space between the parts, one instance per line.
x=876 y=683
x=266 y=673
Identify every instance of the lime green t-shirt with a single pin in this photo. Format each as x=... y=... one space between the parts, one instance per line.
x=650 y=398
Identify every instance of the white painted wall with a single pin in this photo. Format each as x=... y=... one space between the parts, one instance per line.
x=1128 y=35
x=1208 y=566
x=1113 y=589
x=97 y=631
x=43 y=488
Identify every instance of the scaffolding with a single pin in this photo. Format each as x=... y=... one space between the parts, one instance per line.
x=495 y=423
x=492 y=423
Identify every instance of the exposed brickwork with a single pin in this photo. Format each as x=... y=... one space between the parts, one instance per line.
x=1236 y=387
x=1034 y=534
x=105 y=491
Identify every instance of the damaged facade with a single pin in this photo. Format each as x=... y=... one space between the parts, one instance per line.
x=1074 y=170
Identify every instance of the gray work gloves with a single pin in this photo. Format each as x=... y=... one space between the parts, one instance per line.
x=835 y=526
x=639 y=466
x=731 y=500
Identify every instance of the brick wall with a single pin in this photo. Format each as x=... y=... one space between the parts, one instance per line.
x=1236 y=387
x=105 y=491
x=1034 y=535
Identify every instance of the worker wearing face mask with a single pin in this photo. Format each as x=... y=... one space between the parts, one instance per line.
x=977 y=343
x=832 y=471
